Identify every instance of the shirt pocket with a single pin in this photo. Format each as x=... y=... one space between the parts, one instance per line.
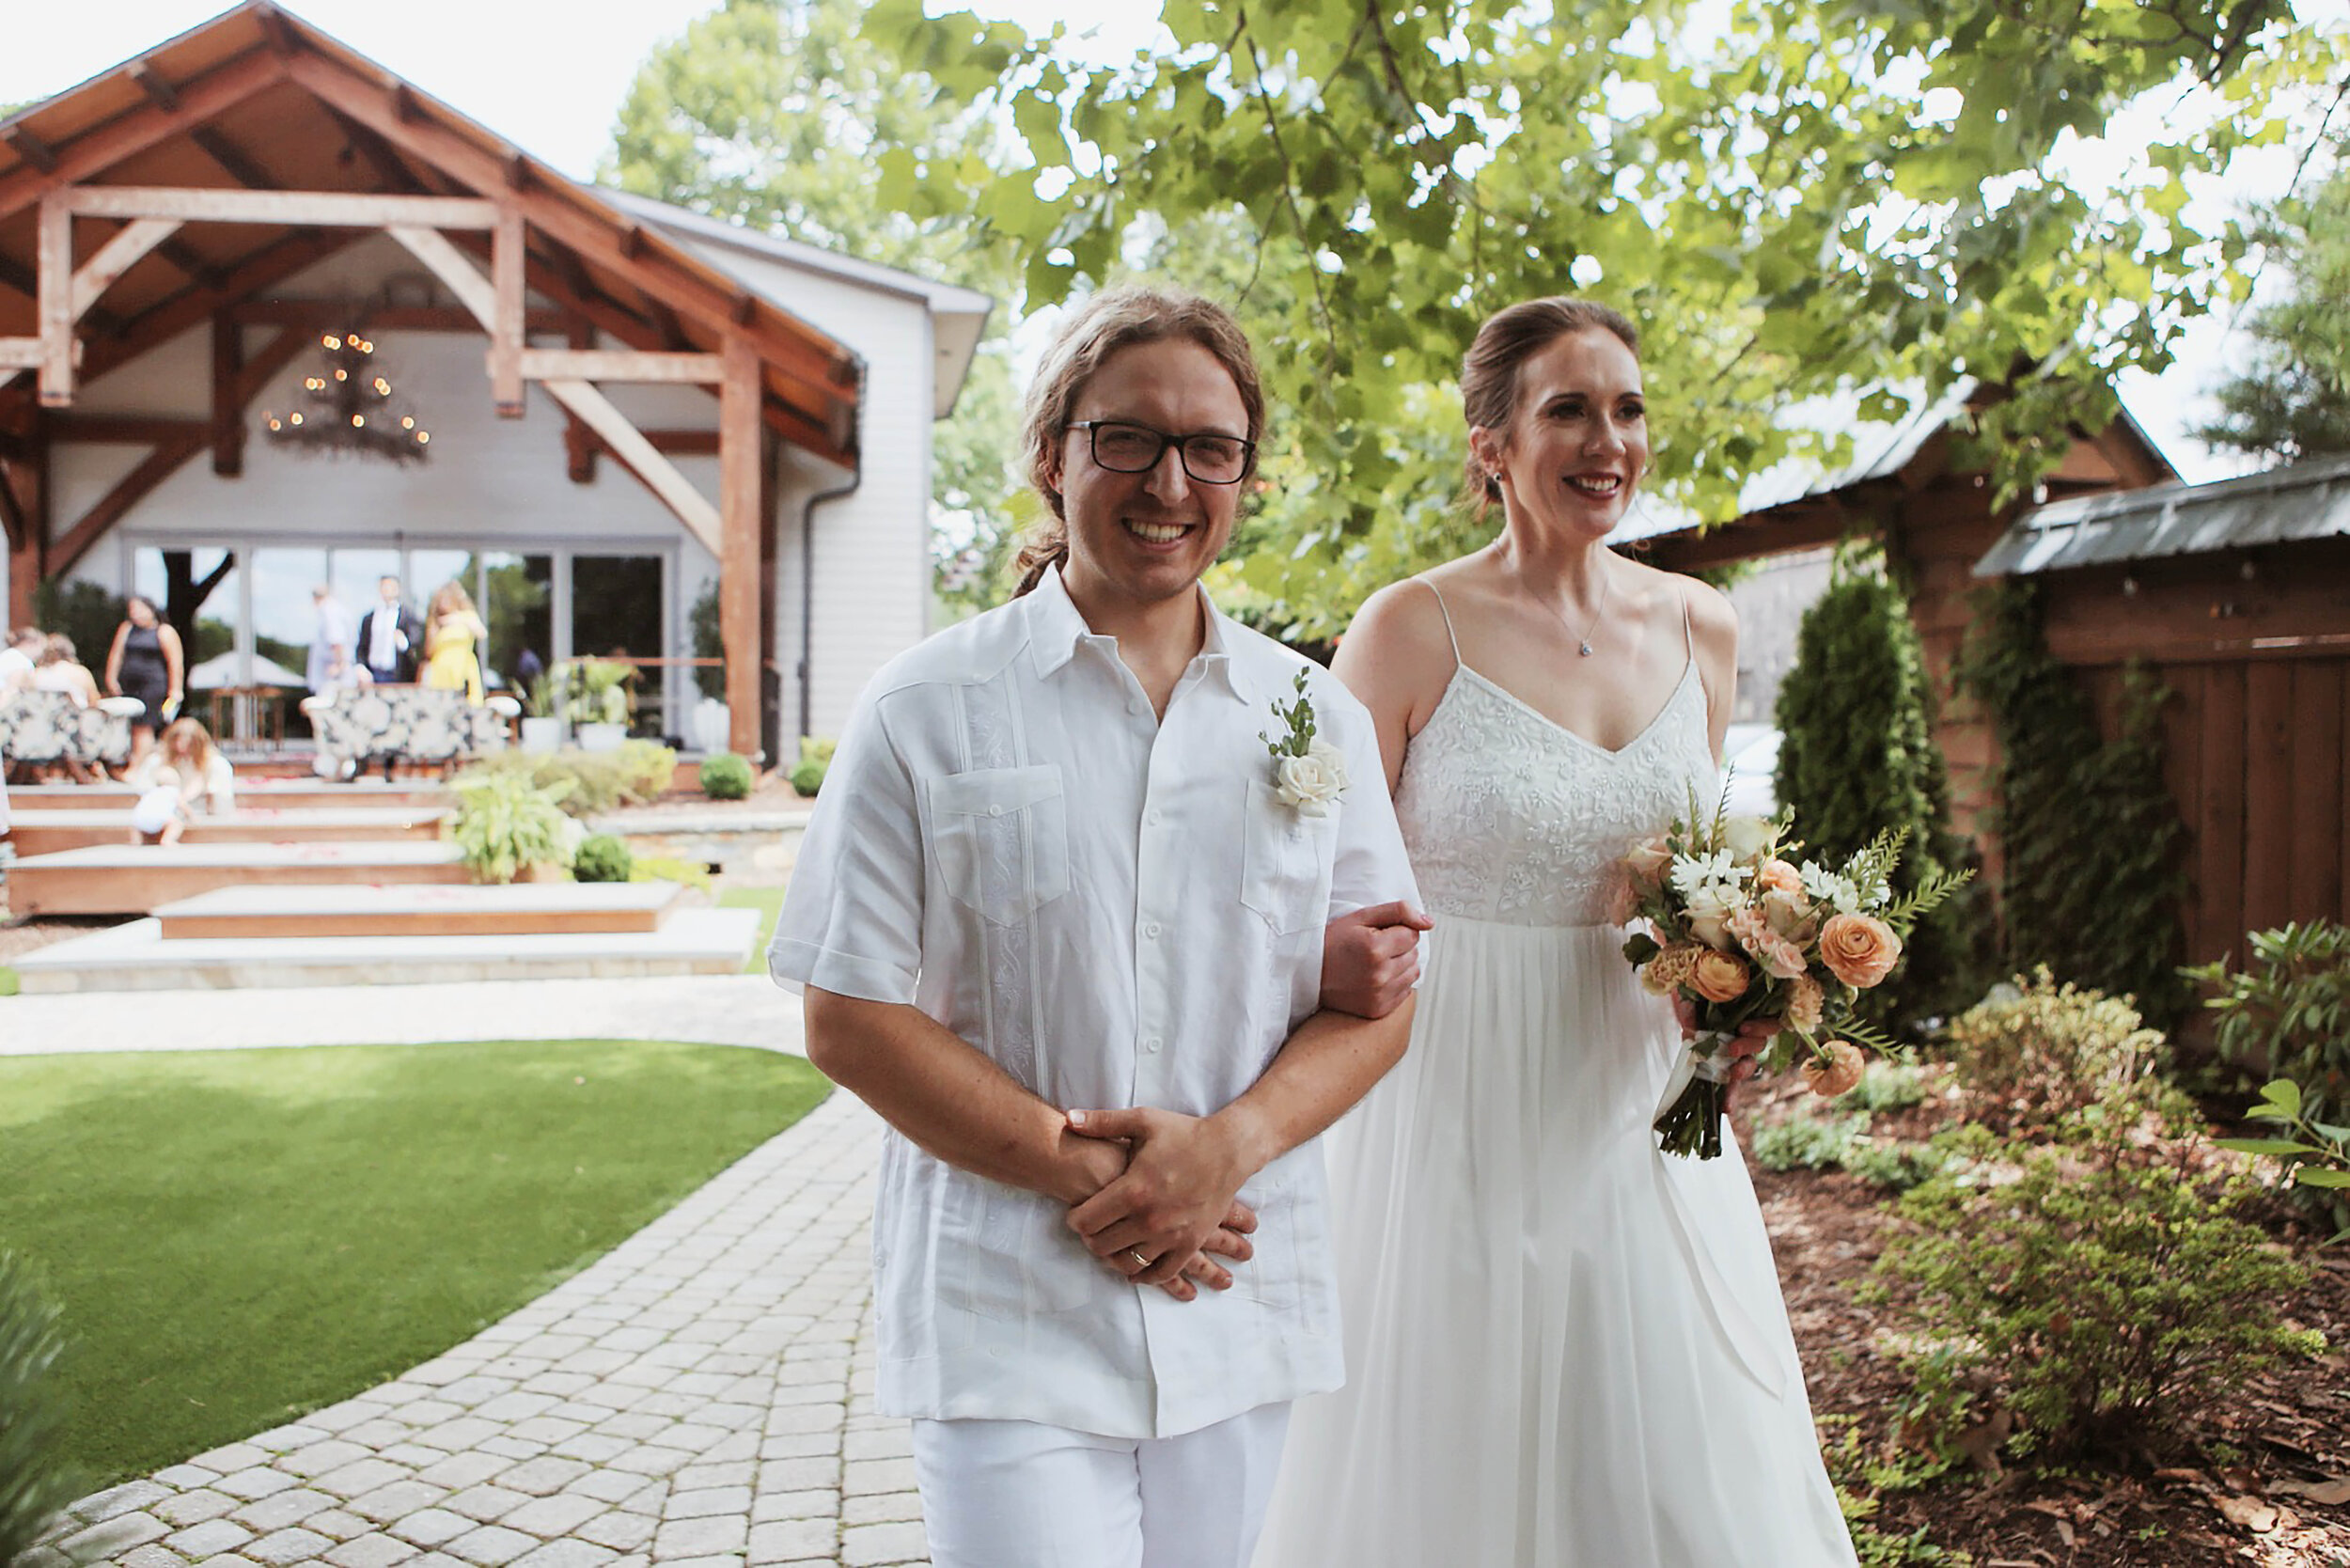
x=1285 y=861
x=1001 y=838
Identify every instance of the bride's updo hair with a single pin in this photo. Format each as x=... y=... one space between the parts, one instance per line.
x=1488 y=375
x=1112 y=320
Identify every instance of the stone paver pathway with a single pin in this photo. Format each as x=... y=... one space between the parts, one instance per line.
x=700 y=1397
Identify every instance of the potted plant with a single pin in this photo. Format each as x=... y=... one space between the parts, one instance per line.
x=543 y=703
x=600 y=699
x=509 y=828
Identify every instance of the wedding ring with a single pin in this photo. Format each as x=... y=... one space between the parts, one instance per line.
x=1137 y=1257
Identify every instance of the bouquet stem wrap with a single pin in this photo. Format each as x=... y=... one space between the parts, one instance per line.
x=1692 y=1124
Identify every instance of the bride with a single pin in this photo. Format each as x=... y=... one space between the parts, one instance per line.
x=1564 y=1348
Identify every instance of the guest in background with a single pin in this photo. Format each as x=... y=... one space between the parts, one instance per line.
x=61 y=669
x=452 y=633
x=391 y=637
x=21 y=658
x=146 y=663
x=331 y=663
x=160 y=815
x=185 y=749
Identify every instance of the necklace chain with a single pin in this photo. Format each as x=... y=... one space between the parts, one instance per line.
x=1599 y=608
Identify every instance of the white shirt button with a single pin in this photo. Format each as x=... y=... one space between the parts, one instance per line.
x=1152 y=1044
x=995 y=810
x=1153 y=818
x=1151 y=931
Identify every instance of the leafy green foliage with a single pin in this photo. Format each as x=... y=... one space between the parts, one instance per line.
x=593 y=782
x=2294 y=400
x=33 y=1479
x=1862 y=1480
x=2287 y=1013
x=1857 y=755
x=2102 y=1288
x=2030 y=1054
x=83 y=611
x=666 y=868
x=2315 y=1154
x=808 y=774
x=506 y=823
x=1791 y=200
x=780 y=114
x=709 y=642
x=2091 y=884
x=725 y=777
x=603 y=857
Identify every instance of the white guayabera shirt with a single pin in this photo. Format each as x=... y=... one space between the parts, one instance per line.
x=1117 y=911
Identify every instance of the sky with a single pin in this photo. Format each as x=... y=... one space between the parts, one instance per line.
x=553 y=91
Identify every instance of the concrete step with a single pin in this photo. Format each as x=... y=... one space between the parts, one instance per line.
x=132 y=879
x=527 y=908
x=135 y=957
x=50 y=830
x=279 y=794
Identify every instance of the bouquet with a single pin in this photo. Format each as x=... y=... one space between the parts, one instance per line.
x=1742 y=929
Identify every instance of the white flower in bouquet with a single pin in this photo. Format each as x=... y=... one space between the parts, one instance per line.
x=1747 y=837
x=1718 y=873
x=1709 y=910
x=1310 y=783
x=1831 y=888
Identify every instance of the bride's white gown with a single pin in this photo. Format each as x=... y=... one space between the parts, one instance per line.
x=1565 y=1349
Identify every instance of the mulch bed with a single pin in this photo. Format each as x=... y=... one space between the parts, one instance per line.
x=2265 y=1480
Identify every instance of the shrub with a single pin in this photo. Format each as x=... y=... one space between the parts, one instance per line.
x=2029 y=1054
x=725 y=777
x=1857 y=755
x=807 y=775
x=1807 y=1140
x=602 y=858
x=635 y=774
x=506 y=822
x=664 y=868
x=34 y=1481
x=2101 y=1289
x=2287 y=1013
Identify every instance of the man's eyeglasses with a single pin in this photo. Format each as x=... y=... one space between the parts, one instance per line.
x=1126 y=448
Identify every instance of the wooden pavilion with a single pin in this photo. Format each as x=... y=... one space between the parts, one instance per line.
x=180 y=192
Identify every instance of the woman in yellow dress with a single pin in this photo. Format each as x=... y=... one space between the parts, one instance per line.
x=452 y=631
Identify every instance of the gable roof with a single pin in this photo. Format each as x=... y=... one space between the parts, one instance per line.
x=259 y=99
x=2302 y=501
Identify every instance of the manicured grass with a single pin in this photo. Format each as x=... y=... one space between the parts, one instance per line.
x=7 y=981
x=769 y=903
x=237 y=1237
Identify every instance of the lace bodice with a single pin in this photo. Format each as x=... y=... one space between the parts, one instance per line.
x=1511 y=818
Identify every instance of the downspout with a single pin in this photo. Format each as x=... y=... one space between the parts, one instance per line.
x=808 y=584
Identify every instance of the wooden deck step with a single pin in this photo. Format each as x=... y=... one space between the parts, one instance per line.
x=132 y=879
x=51 y=830
x=291 y=795
x=543 y=908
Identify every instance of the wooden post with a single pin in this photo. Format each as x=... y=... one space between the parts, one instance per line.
x=28 y=544
x=54 y=247
x=741 y=508
x=506 y=330
x=579 y=442
x=228 y=410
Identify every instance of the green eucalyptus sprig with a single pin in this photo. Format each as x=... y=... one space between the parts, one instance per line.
x=1299 y=716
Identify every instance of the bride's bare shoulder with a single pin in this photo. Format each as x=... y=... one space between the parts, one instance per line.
x=1397 y=652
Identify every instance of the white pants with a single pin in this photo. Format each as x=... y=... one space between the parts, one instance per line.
x=1017 y=1495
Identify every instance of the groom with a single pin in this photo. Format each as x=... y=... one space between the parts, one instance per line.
x=1059 y=918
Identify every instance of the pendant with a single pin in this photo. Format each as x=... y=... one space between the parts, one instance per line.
x=1585 y=650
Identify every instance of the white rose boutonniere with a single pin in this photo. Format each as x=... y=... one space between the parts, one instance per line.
x=1308 y=772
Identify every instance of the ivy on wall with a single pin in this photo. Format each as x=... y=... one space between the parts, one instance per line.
x=1857 y=755
x=2092 y=884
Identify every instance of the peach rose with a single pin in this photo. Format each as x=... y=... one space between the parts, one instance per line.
x=1859 y=950
x=1717 y=977
x=1791 y=915
x=1648 y=860
x=1776 y=876
x=1838 y=1072
x=1805 y=1000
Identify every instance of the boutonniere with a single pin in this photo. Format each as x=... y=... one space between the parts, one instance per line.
x=1309 y=773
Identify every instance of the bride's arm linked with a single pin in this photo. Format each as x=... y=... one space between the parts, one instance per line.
x=1396 y=659
x=1714 y=632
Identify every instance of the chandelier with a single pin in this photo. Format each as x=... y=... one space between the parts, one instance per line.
x=348 y=405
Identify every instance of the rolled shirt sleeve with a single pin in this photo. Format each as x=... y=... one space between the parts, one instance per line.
x=852 y=919
x=1371 y=866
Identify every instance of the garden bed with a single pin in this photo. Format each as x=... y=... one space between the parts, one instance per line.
x=2265 y=1479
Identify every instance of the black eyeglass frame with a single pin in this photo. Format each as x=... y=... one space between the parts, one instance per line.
x=1181 y=443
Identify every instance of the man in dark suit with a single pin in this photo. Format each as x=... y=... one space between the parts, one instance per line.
x=391 y=637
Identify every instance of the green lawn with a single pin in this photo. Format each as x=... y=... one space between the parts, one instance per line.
x=7 y=981
x=769 y=903
x=236 y=1237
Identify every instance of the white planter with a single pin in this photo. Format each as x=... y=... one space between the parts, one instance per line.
x=711 y=726
x=542 y=735
x=601 y=737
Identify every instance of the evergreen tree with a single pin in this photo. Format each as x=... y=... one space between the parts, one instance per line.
x=2295 y=400
x=1857 y=756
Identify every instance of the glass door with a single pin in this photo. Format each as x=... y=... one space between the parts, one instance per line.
x=618 y=604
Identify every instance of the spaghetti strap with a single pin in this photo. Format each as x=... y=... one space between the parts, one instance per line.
x=1447 y=613
x=1689 y=636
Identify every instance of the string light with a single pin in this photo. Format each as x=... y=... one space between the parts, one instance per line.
x=342 y=399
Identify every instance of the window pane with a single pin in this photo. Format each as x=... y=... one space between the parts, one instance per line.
x=518 y=606
x=616 y=614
